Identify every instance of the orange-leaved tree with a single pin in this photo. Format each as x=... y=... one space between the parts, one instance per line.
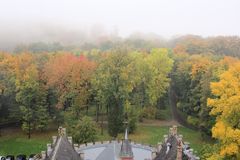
x=70 y=75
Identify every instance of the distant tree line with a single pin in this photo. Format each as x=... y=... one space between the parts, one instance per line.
x=192 y=44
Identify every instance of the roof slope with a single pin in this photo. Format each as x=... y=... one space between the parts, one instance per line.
x=110 y=153
x=63 y=150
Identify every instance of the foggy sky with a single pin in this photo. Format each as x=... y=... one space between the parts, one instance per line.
x=26 y=19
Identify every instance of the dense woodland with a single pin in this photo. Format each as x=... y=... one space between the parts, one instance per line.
x=126 y=80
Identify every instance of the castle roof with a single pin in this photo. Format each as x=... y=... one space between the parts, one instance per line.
x=172 y=148
x=63 y=150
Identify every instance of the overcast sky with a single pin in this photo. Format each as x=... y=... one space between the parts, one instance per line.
x=164 y=17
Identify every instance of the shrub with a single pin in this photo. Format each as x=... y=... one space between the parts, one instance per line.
x=192 y=120
x=84 y=131
x=149 y=112
x=159 y=115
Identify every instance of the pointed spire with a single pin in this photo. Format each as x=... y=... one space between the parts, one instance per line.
x=126 y=152
x=126 y=134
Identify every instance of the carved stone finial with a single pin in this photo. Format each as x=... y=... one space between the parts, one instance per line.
x=61 y=131
x=174 y=131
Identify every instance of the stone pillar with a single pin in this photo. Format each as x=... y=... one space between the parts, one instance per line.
x=180 y=137
x=49 y=149
x=191 y=151
x=174 y=130
x=159 y=146
x=61 y=131
x=170 y=131
x=179 y=148
x=70 y=140
x=165 y=138
x=43 y=155
x=64 y=132
x=82 y=145
x=154 y=155
x=179 y=152
x=54 y=138
x=75 y=147
x=81 y=155
x=89 y=144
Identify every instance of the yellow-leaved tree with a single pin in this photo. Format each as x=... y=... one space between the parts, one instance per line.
x=226 y=107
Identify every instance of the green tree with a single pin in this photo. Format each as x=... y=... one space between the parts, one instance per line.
x=26 y=92
x=27 y=120
x=30 y=94
x=84 y=130
x=114 y=81
x=160 y=65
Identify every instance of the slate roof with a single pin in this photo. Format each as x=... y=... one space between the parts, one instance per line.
x=110 y=153
x=63 y=150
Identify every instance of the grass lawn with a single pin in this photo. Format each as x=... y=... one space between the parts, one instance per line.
x=17 y=142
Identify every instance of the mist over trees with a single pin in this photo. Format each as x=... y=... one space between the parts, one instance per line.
x=49 y=39
x=114 y=80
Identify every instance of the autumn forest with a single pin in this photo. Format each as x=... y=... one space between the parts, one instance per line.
x=98 y=87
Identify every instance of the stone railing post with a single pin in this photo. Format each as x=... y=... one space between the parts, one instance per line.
x=49 y=149
x=179 y=147
x=54 y=139
x=43 y=155
x=159 y=147
x=171 y=131
x=165 y=138
x=75 y=147
x=154 y=155
x=174 y=130
x=70 y=140
x=61 y=131
x=81 y=155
